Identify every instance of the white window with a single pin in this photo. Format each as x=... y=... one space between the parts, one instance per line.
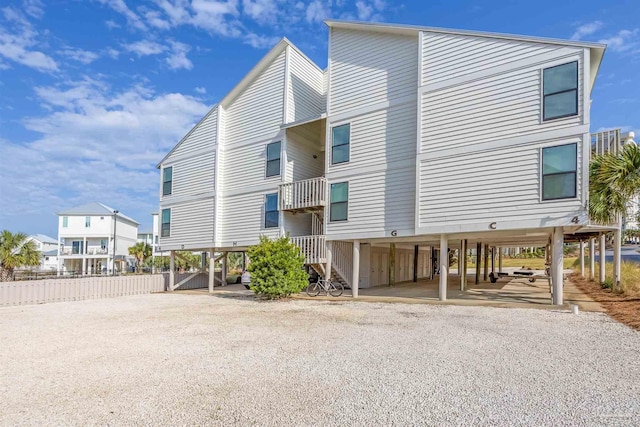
x=560 y=97
x=559 y=166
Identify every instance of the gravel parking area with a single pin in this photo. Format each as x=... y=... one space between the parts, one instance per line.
x=171 y=359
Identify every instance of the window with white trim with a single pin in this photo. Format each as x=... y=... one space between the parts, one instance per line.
x=559 y=172
x=167 y=181
x=340 y=142
x=271 y=214
x=339 y=206
x=165 y=230
x=560 y=91
x=273 y=159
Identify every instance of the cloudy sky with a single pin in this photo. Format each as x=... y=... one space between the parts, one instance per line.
x=94 y=93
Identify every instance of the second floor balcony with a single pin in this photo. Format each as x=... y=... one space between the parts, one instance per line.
x=303 y=196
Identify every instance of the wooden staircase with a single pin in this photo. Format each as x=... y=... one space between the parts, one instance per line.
x=314 y=249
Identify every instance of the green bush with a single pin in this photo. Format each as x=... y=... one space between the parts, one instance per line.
x=277 y=268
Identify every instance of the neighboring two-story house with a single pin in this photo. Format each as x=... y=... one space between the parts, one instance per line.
x=94 y=239
x=150 y=236
x=48 y=247
x=412 y=142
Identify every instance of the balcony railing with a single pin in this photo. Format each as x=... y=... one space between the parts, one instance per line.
x=605 y=141
x=313 y=248
x=90 y=251
x=308 y=194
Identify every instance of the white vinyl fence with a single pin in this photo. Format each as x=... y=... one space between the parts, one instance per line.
x=59 y=290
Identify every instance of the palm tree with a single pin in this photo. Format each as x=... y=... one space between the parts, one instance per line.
x=141 y=251
x=16 y=251
x=614 y=179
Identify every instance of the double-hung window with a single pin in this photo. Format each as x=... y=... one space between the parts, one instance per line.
x=167 y=181
x=65 y=221
x=339 y=208
x=273 y=159
x=560 y=91
x=559 y=165
x=165 y=230
x=87 y=221
x=340 y=139
x=271 y=214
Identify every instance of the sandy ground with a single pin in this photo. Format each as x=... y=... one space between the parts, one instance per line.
x=171 y=359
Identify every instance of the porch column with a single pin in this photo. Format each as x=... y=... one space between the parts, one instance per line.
x=581 y=258
x=212 y=270
x=617 y=259
x=392 y=264
x=224 y=268
x=557 y=255
x=478 y=258
x=592 y=258
x=500 y=250
x=327 y=270
x=416 y=254
x=84 y=266
x=602 y=249
x=356 y=269
x=493 y=260
x=462 y=265
x=172 y=266
x=444 y=267
x=486 y=262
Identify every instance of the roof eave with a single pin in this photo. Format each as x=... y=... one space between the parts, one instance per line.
x=412 y=29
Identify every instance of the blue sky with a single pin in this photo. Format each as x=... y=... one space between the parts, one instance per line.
x=94 y=93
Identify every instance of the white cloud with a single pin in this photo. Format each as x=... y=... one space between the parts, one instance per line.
x=317 y=12
x=111 y=24
x=624 y=41
x=261 y=11
x=154 y=18
x=177 y=59
x=370 y=11
x=201 y=90
x=145 y=48
x=33 y=8
x=80 y=55
x=586 y=30
x=101 y=145
x=121 y=7
x=18 y=41
x=260 y=42
x=112 y=53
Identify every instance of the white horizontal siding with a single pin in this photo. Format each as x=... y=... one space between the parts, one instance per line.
x=368 y=68
x=301 y=150
x=490 y=186
x=378 y=202
x=192 y=225
x=242 y=222
x=325 y=85
x=297 y=224
x=487 y=106
x=245 y=166
x=451 y=55
x=193 y=176
x=380 y=137
x=202 y=137
x=258 y=110
x=305 y=88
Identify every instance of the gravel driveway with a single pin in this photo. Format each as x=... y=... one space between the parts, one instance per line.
x=171 y=359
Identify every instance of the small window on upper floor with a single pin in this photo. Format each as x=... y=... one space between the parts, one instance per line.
x=560 y=91
x=339 y=209
x=271 y=214
x=87 y=221
x=340 y=140
x=273 y=159
x=167 y=181
x=559 y=166
x=65 y=221
x=165 y=229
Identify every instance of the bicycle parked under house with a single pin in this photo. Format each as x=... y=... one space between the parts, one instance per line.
x=329 y=287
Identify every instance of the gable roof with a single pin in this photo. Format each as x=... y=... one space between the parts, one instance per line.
x=53 y=252
x=243 y=84
x=43 y=238
x=597 y=49
x=95 y=208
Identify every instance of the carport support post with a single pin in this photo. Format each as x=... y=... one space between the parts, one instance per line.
x=582 y=258
x=327 y=270
x=592 y=258
x=392 y=264
x=212 y=270
x=557 y=243
x=617 y=252
x=486 y=262
x=444 y=267
x=416 y=253
x=478 y=258
x=602 y=248
x=493 y=260
x=462 y=264
x=223 y=279
x=500 y=250
x=172 y=267
x=356 y=269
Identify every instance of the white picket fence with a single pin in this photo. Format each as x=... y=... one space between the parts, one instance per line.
x=60 y=290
